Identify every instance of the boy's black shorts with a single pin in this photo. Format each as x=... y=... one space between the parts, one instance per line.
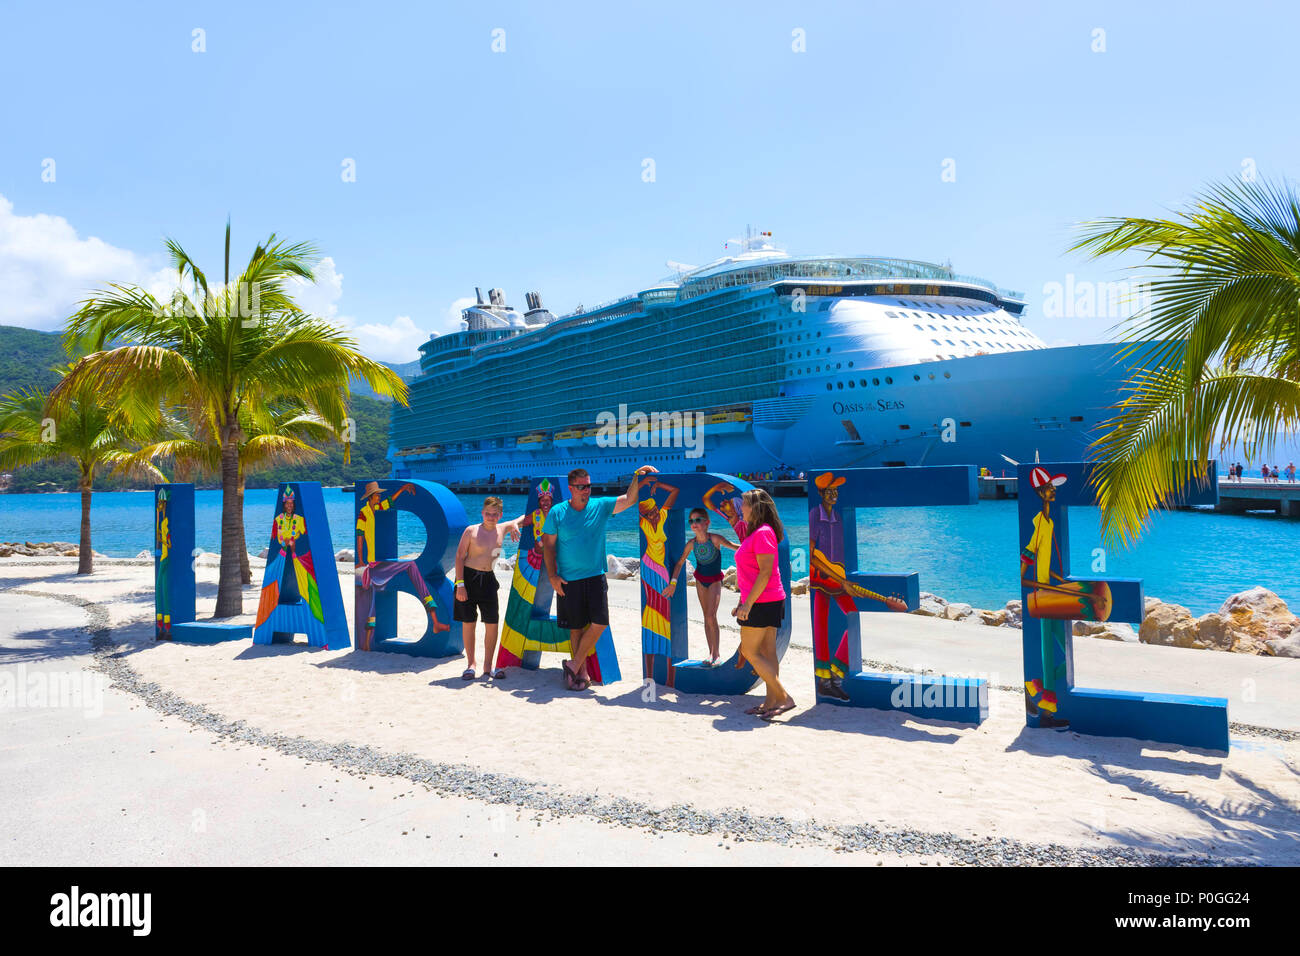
x=585 y=601
x=481 y=593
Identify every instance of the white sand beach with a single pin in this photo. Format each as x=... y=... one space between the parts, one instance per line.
x=835 y=767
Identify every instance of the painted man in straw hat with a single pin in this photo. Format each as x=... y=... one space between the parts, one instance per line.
x=1038 y=555
x=373 y=574
x=828 y=581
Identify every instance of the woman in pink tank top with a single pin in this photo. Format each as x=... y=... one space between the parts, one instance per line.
x=762 y=598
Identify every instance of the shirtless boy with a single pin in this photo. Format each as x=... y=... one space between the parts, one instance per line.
x=476 y=584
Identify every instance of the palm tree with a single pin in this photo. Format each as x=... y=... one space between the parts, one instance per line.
x=278 y=434
x=84 y=428
x=1218 y=346
x=222 y=352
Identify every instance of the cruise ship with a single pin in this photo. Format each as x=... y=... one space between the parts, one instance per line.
x=785 y=363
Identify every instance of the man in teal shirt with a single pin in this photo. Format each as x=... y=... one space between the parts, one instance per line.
x=573 y=545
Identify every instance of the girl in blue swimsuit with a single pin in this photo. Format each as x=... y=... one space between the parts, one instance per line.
x=705 y=547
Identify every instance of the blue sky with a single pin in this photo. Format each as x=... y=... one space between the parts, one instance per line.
x=524 y=168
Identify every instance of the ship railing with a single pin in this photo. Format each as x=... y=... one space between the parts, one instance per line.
x=834 y=268
x=565 y=324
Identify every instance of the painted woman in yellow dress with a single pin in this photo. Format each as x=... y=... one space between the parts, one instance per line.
x=655 y=630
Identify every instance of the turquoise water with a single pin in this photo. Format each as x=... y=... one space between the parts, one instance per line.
x=962 y=553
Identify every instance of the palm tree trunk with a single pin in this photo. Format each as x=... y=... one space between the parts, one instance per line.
x=85 y=558
x=230 y=593
x=245 y=572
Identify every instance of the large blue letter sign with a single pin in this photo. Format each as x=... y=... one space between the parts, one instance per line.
x=300 y=587
x=1053 y=600
x=173 y=561
x=667 y=501
x=380 y=574
x=839 y=592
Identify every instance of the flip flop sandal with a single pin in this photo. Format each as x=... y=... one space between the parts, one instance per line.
x=499 y=674
x=777 y=711
x=758 y=710
x=468 y=675
x=570 y=682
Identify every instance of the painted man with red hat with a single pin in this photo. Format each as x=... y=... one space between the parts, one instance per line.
x=1040 y=696
x=828 y=581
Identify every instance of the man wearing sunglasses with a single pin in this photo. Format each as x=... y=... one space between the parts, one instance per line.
x=573 y=543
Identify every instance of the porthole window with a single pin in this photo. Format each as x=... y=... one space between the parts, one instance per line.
x=875 y=381
x=947 y=374
x=888 y=380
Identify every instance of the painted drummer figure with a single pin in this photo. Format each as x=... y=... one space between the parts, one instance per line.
x=1040 y=696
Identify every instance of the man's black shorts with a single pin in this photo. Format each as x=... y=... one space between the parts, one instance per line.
x=585 y=601
x=481 y=593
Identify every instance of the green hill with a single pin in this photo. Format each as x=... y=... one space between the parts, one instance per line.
x=26 y=360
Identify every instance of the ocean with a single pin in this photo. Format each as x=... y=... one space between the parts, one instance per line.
x=965 y=554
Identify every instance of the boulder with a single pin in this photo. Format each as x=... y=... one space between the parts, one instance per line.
x=263 y=553
x=729 y=579
x=1089 y=628
x=931 y=605
x=1286 y=646
x=1254 y=618
x=1014 y=614
x=621 y=568
x=993 y=618
x=503 y=564
x=1169 y=625
x=957 y=612
x=144 y=555
x=345 y=555
x=1116 y=632
x=799 y=587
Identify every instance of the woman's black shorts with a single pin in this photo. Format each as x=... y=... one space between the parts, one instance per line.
x=765 y=614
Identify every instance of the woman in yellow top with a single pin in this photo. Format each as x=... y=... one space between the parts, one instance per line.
x=655 y=630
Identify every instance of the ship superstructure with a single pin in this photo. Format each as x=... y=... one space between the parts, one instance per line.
x=796 y=362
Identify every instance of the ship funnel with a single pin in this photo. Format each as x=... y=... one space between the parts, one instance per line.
x=536 y=314
x=479 y=292
x=497 y=297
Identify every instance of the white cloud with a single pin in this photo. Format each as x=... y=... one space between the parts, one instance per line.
x=46 y=269
x=451 y=320
x=396 y=341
